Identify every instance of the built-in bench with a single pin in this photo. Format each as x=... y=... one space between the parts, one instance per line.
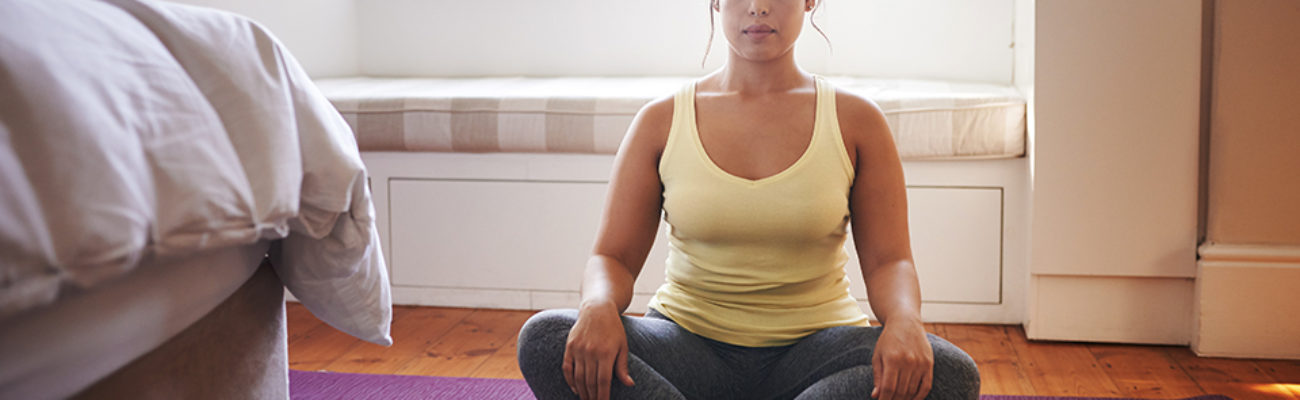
x=488 y=191
x=931 y=120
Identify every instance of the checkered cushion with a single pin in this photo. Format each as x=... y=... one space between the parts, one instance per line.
x=929 y=119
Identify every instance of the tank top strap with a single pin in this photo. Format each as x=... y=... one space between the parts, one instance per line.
x=828 y=123
x=683 y=123
x=684 y=105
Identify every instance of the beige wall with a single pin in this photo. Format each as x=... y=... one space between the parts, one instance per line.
x=1254 y=171
x=1249 y=266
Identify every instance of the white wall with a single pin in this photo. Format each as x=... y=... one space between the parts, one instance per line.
x=936 y=39
x=1023 y=69
x=942 y=39
x=321 y=34
x=956 y=40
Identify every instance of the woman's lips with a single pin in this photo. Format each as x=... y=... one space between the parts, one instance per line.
x=758 y=31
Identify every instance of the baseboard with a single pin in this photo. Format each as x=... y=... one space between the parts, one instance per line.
x=1146 y=310
x=1246 y=303
x=1254 y=253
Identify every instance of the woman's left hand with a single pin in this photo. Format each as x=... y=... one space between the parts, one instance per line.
x=903 y=363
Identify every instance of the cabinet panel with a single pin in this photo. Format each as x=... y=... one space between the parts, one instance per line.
x=537 y=236
x=956 y=242
x=493 y=234
x=449 y=233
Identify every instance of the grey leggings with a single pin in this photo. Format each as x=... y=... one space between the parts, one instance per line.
x=669 y=362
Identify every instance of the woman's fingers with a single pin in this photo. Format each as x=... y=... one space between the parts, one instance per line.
x=888 y=382
x=901 y=377
x=604 y=374
x=592 y=369
x=908 y=381
x=913 y=376
x=595 y=347
x=924 y=390
x=877 y=375
x=594 y=373
x=580 y=377
x=620 y=368
x=567 y=367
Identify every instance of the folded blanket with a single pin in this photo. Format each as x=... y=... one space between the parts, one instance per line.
x=132 y=130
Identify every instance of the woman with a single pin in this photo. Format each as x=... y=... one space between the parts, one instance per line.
x=758 y=169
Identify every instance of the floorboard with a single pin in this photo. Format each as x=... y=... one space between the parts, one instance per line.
x=468 y=345
x=1061 y=369
x=1236 y=378
x=413 y=329
x=318 y=347
x=990 y=347
x=1144 y=371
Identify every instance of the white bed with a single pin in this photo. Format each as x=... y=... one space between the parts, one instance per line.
x=165 y=172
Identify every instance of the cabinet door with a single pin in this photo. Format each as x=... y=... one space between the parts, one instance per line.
x=956 y=237
x=520 y=235
x=484 y=234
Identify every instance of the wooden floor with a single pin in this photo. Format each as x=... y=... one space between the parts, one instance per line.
x=481 y=343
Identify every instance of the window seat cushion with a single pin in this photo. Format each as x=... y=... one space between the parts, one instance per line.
x=929 y=119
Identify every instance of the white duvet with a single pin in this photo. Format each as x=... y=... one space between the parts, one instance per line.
x=137 y=130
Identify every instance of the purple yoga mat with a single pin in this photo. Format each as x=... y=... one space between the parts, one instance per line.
x=307 y=385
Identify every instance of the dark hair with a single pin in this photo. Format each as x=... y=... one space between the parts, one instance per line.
x=709 y=46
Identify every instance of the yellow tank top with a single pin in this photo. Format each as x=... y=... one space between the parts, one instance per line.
x=756 y=262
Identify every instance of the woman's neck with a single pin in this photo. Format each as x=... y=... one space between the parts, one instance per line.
x=747 y=77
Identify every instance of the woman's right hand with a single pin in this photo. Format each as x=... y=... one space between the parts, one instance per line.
x=596 y=351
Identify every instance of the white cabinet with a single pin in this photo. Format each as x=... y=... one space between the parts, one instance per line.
x=524 y=243
x=513 y=235
x=956 y=244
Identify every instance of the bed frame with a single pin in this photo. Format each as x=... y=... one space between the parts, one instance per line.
x=206 y=326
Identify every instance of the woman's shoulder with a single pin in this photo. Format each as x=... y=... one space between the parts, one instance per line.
x=659 y=110
x=650 y=127
x=851 y=106
x=861 y=120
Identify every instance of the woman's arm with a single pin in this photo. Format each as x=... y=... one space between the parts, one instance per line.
x=878 y=205
x=903 y=361
x=632 y=210
x=597 y=346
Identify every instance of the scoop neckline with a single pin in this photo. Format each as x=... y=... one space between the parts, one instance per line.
x=812 y=140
